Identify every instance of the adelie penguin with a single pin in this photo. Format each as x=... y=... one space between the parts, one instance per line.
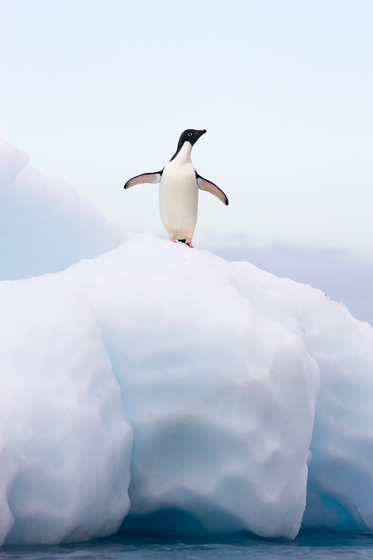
x=178 y=190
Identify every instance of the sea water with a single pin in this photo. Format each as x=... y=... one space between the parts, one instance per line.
x=307 y=545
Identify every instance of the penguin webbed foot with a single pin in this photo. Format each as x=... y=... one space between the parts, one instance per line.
x=185 y=241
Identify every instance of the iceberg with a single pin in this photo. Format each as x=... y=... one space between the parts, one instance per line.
x=45 y=225
x=150 y=388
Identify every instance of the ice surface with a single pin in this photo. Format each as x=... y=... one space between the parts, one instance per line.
x=61 y=414
x=45 y=225
x=213 y=368
x=220 y=393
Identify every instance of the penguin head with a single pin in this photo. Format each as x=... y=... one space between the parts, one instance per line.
x=190 y=135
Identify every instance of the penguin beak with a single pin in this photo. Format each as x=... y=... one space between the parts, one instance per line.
x=199 y=133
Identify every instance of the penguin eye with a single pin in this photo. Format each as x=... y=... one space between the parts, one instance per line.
x=190 y=133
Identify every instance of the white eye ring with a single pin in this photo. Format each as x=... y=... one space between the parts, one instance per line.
x=190 y=133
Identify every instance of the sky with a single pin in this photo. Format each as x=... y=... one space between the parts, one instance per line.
x=97 y=91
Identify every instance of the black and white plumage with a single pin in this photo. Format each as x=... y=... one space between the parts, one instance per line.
x=178 y=191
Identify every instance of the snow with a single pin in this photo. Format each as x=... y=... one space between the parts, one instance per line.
x=152 y=387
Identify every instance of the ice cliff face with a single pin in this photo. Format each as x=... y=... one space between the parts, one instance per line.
x=45 y=225
x=163 y=389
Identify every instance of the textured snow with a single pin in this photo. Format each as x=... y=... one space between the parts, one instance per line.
x=159 y=389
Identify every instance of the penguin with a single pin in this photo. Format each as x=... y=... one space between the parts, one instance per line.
x=178 y=189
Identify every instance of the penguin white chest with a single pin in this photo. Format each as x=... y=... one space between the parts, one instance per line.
x=178 y=195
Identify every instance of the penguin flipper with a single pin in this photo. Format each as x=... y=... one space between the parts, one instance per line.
x=206 y=185
x=144 y=178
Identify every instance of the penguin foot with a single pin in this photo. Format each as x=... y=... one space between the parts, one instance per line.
x=185 y=241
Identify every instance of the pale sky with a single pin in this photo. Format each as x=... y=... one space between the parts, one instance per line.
x=96 y=91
